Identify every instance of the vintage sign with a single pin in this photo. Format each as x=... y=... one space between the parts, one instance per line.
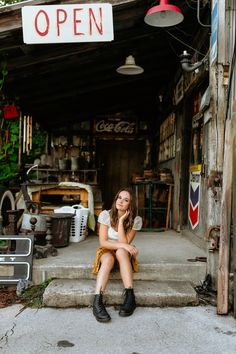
x=115 y=127
x=194 y=195
x=67 y=23
x=17 y=265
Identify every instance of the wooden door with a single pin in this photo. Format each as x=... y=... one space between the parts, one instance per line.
x=118 y=161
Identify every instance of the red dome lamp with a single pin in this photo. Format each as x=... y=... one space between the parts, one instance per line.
x=164 y=15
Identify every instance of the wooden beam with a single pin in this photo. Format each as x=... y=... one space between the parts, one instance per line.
x=10 y=15
x=234 y=213
x=225 y=218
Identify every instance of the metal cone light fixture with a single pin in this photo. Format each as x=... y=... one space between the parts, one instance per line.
x=164 y=15
x=130 y=68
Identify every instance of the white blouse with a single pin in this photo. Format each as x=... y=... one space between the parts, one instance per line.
x=105 y=219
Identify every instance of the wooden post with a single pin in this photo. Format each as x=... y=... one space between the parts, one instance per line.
x=234 y=214
x=169 y=205
x=225 y=217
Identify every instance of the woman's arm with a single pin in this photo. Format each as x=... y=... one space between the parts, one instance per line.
x=122 y=236
x=104 y=242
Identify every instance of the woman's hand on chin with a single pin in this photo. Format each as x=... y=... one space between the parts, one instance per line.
x=124 y=216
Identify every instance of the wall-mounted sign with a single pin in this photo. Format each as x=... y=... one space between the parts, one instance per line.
x=214 y=30
x=16 y=265
x=67 y=23
x=194 y=195
x=115 y=126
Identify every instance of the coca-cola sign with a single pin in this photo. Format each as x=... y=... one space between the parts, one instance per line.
x=121 y=127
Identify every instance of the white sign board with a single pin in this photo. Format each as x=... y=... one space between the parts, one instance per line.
x=67 y=23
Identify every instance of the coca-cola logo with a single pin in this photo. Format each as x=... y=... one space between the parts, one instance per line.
x=121 y=127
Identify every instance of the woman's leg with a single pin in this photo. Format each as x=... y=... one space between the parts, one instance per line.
x=99 y=310
x=126 y=272
x=107 y=263
x=129 y=305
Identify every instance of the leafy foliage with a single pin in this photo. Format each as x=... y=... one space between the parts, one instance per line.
x=33 y=296
x=9 y=2
x=9 y=151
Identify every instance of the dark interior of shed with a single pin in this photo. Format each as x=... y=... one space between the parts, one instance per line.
x=72 y=82
x=63 y=86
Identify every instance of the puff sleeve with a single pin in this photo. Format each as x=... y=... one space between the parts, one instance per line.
x=137 y=223
x=104 y=218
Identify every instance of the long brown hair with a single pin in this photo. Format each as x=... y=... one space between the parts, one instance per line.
x=128 y=223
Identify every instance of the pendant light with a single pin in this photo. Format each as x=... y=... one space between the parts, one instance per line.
x=130 y=68
x=164 y=15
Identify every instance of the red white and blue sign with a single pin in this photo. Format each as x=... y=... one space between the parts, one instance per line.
x=194 y=196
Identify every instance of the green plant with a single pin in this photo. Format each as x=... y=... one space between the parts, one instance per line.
x=8 y=2
x=9 y=150
x=39 y=140
x=33 y=296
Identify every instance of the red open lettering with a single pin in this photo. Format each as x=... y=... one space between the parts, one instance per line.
x=60 y=20
x=42 y=33
x=76 y=21
x=92 y=17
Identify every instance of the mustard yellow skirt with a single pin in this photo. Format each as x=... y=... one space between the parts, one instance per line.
x=97 y=261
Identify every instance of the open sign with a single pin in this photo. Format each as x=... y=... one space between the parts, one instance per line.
x=67 y=23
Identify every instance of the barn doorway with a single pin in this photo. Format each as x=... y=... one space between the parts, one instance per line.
x=118 y=161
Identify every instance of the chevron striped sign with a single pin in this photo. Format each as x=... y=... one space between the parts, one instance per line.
x=194 y=198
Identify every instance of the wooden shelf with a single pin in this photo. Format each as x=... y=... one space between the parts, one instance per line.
x=87 y=176
x=61 y=191
x=153 y=201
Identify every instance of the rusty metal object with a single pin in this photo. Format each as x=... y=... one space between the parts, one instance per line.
x=213 y=236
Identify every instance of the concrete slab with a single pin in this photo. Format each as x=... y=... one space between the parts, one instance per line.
x=162 y=256
x=71 y=293
x=185 y=330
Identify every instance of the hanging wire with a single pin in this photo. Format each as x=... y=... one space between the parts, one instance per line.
x=182 y=31
x=198 y=15
x=191 y=7
x=172 y=47
x=179 y=40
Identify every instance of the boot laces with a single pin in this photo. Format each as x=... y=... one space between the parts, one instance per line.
x=129 y=298
x=100 y=305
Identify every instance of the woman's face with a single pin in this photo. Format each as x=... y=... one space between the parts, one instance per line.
x=123 y=201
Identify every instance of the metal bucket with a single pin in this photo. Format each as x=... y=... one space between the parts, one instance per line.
x=60 y=226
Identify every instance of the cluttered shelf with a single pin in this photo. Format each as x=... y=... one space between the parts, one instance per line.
x=153 y=201
x=87 y=176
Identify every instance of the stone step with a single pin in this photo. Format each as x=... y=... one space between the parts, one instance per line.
x=80 y=292
x=189 y=272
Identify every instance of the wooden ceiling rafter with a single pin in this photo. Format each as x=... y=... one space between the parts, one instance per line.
x=48 y=78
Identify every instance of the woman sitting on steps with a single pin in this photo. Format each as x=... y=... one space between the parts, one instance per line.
x=117 y=230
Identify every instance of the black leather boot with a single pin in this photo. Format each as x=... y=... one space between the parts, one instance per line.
x=129 y=304
x=99 y=309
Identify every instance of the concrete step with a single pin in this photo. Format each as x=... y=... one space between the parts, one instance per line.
x=80 y=292
x=189 y=272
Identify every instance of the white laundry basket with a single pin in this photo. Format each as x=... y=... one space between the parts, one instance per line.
x=78 y=230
